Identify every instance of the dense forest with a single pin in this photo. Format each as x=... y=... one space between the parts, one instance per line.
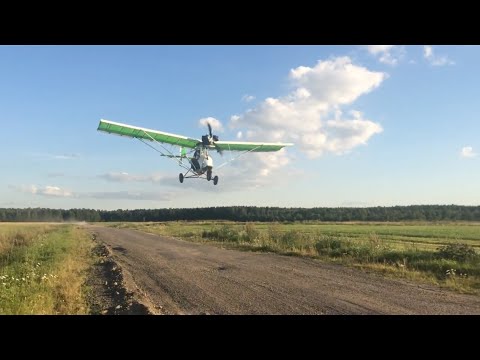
x=243 y=213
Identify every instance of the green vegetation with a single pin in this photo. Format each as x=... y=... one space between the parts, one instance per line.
x=252 y=213
x=447 y=255
x=43 y=269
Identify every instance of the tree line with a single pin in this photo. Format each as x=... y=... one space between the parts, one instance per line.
x=251 y=213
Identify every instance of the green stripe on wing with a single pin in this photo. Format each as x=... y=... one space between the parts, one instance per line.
x=249 y=146
x=146 y=134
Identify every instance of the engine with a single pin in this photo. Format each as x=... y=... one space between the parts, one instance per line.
x=207 y=140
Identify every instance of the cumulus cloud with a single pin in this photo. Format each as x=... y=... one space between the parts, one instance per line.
x=52 y=191
x=254 y=170
x=379 y=49
x=310 y=115
x=55 y=191
x=467 y=152
x=216 y=124
x=387 y=54
x=248 y=98
x=126 y=177
x=428 y=51
x=435 y=60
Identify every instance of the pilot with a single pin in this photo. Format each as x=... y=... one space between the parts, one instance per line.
x=196 y=157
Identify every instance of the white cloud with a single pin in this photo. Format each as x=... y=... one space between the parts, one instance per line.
x=310 y=115
x=216 y=124
x=254 y=170
x=55 y=191
x=52 y=191
x=379 y=49
x=248 y=98
x=467 y=152
x=387 y=54
x=126 y=177
x=435 y=60
x=427 y=51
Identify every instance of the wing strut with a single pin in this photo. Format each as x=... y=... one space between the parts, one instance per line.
x=235 y=158
x=171 y=155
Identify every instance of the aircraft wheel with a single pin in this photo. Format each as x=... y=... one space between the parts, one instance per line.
x=180 y=177
x=215 y=180
x=209 y=175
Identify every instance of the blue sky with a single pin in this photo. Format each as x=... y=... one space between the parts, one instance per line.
x=372 y=125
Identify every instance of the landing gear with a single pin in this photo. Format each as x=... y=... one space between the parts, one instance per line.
x=209 y=177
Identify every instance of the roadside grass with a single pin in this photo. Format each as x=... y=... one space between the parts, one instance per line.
x=444 y=254
x=43 y=269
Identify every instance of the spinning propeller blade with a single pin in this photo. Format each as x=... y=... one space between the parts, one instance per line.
x=211 y=137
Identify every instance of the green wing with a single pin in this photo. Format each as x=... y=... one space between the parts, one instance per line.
x=147 y=134
x=249 y=146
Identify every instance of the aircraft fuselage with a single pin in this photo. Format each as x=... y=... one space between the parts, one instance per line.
x=202 y=161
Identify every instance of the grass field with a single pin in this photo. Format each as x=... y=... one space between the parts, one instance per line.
x=43 y=268
x=447 y=254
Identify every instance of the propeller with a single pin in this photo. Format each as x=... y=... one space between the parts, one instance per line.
x=212 y=139
x=210 y=129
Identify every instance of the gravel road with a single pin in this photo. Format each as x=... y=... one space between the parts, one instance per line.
x=180 y=277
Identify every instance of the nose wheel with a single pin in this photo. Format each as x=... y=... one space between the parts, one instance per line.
x=180 y=177
x=215 y=180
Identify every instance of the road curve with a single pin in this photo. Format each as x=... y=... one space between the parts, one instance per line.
x=180 y=277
